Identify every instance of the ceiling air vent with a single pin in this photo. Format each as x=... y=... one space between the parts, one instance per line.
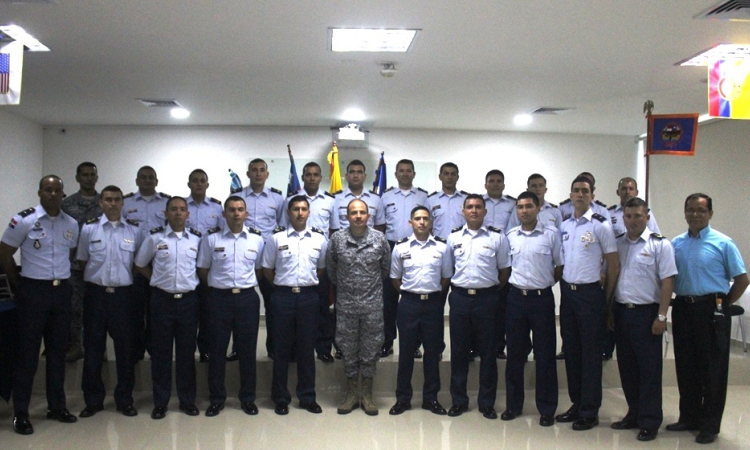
x=551 y=111
x=728 y=10
x=157 y=103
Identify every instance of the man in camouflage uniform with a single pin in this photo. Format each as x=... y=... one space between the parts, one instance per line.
x=82 y=206
x=358 y=259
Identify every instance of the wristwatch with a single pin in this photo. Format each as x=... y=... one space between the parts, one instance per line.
x=662 y=318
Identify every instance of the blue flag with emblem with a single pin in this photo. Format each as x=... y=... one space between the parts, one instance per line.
x=380 y=184
x=293 y=186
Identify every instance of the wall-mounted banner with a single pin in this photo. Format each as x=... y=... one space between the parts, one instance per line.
x=672 y=134
x=11 y=70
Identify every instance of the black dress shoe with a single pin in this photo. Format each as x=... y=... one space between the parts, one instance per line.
x=417 y=354
x=338 y=354
x=501 y=355
x=312 y=407
x=281 y=409
x=250 y=408
x=399 y=408
x=705 y=438
x=204 y=357
x=606 y=356
x=159 y=412
x=570 y=415
x=385 y=351
x=560 y=356
x=61 y=415
x=509 y=415
x=647 y=435
x=325 y=357
x=488 y=412
x=457 y=410
x=128 y=410
x=22 y=425
x=680 y=426
x=585 y=423
x=190 y=410
x=233 y=357
x=473 y=355
x=625 y=424
x=90 y=411
x=434 y=407
x=214 y=409
x=546 y=421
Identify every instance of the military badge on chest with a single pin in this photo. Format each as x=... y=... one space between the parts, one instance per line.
x=588 y=238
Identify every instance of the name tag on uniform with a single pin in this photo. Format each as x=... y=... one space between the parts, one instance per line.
x=565 y=236
x=219 y=249
x=645 y=253
x=162 y=247
x=406 y=255
x=193 y=249
x=283 y=247
x=132 y=210
x=487 y=247
x=96 y=241
x=129 y=241
x=435 y=207
x=457 y=245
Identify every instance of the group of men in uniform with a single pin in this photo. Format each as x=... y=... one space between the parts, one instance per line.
x=392 y=262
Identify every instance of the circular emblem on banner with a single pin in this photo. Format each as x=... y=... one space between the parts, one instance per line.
x=671 y=134
x=728 y=89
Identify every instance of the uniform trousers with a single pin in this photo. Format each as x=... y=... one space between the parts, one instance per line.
x=295 y=326
x=8 y=350
x=582 y=313
x=105 y=312
x=202 y=341
x=701 y=362
x=326 y=318
x=141 y=320
x=390 y=309
x=531 y=311
x=502 y=307
x=239 y=314
x=359 y=335
x=266 y=290
x=43 y=313
x=173 y=320
x=640 y=363
x=473 y=316
x=420 y=321
x=76 y=308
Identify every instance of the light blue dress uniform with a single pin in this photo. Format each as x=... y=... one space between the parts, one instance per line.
x=264 y=210
x=398 y=205
x=204 y=215
x=549 y=215
x=322 y=211
x=618 y=225
x=566 y=209
x=499 y=211
x=149 y=214
x=585 y=241
x=374 y=204
x=296 y=256
x=174 y=256
x=446 y=211
x=531 y=310
x=643 y=264
x=421 y=265
x=232 y=261
x=110 y=250
x=478 y=256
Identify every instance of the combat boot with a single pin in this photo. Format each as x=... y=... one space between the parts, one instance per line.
x=352 y=397
x=371 y=409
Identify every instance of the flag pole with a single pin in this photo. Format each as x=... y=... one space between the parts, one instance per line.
x=647 y=108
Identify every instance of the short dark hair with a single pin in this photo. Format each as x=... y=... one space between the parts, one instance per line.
x=198 y=171
x=494 y=172
x=590 y=176
x=529 y=194
x=311 y=164
x=535 y=176
x=137 y=174
x=297 y=199
x=356 y=162
x=450 y=165
x=474 y=197
x=699 y=195
x=234 y=198
x=636 y=202
x=625 y=180
x=418 y=208
x=581 y=179
x=256 y=161
x=113 y=188
x=406 y=161
x=85 y=164
x=49 y=176
x=174 y=199
x=367 y=207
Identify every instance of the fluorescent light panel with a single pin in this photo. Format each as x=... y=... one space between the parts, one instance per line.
x=371 y=40
x=19 y=34
x=717 y=53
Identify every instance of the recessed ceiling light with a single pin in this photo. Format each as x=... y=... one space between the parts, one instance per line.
x=353 y=115
x=522 y=119
x=179 y=113
x=19 y=34
x=371 y=40
x=718 y=52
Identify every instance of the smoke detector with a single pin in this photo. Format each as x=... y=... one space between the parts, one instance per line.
x=388 y=70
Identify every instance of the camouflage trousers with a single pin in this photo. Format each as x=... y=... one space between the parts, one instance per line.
x=75 y=337
x=359 y=336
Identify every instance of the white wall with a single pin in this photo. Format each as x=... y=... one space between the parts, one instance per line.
x=20 y=165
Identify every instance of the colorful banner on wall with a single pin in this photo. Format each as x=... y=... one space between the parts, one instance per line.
x=672 y=134
x=11 y=69
x=728 y=89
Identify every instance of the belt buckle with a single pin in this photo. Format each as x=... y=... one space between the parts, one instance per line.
x=689 y=299
x=110 y=290
x=55 y=282
x=424 y=296
x=178 y=296
x=471 y=291
x=524 y=292
x=296 y=290
x=236 y=290
x=630 y=305
x=573 y=287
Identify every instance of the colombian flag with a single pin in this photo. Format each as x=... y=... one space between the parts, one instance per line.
x=333 y=160
x=728 y=89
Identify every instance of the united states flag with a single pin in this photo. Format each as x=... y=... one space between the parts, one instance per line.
x=4 y=73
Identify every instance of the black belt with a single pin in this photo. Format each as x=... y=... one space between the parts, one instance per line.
x=581 y=287
x=175 y=295
x=296 y=289
x=635 y=305
x=532 y=292
x=420 y=296
x=472 y=291
x=234 y=290
x=106 y=289
x=53 y=283
x=690 y=299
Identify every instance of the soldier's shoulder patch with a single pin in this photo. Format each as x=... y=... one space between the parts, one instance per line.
x=389 y=189
x=511 y=197
x=373 y=192
x=213 y=230
x=657 y=236
x=439 y=239
x=553 y=205
x=421 y=190
x=402 y=240
x=564 y=202
x=279 y=229
x=456 y=229
x=317 y=230
x=26 y=212
x=464 y=192
x=612 y=208
x=93 y=220
x=165 y=195
x=495 y=229
x=600 y=203
x=276 y=191
x=156 y=230
x=434 y=193
x=254 y=230
x=329 y=194
x=599 y=217
x=620 y=235
x=132 y=222
x=195 y=232
x=215 y=200
x=333 y=194
x=128 y=195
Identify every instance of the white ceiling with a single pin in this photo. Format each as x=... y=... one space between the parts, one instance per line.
x=475 y=64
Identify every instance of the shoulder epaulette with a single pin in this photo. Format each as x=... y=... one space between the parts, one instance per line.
x=495 y=229
x=553 y=205
x=512 y=198
x=215 y=200
x=389 y=189
x=128 y=195
x=464 y=192
x=456 y=229
x=600 y=203
x=213 y=230
x=337 y=192
x=567 y=200
x=276 y=191
x=195 y=232
x=619 y=235
x=254 y=231
x=329 y=194
x=599 y=217
x=373 y=192
x=433 y=194
x=293 y=194
x=93 y=220
x=657 y=236
x=26 y=212
x=279 y=229
x=422 y=190
x=317 y=230
x=402 y=240
x=439 y=239
x=613 y=207
x=165 y=195
x=156 y=230
x=132 y=222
